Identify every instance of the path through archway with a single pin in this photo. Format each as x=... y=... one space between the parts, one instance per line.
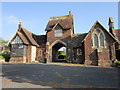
x=59 y=53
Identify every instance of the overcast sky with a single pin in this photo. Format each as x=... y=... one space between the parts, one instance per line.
x=35 y=15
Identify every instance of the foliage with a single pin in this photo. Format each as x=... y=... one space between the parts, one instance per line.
x=3 y=42
x=1 y=57
x=61 y=53
x=6 y=55
x=117 y=62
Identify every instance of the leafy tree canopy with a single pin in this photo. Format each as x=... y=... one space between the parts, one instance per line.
x=3 y=42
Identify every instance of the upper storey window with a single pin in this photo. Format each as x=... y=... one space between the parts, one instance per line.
x=58 y=33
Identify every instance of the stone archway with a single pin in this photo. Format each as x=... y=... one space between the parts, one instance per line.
x=54 y=50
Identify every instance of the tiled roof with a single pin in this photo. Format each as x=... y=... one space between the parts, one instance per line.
x=32 y=38
x=118 y=33
x=40 y=39
x=29 y=38
x=23 y=38
x=78 y=38
x=64 y=21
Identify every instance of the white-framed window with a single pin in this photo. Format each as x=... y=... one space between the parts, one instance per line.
x=58 y=33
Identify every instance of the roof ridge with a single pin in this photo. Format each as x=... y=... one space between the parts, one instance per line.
x=29 y=36
x=58 y=17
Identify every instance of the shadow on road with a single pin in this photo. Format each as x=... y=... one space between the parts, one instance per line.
x=58 y=76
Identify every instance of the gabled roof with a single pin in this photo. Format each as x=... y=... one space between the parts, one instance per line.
x=77 y=39
x=64 y=21
x=22 y=37
x=29 y=38
x=97 y=22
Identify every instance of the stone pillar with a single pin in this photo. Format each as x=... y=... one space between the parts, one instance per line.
x=48 y=52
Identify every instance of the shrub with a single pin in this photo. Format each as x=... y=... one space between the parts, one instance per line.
x=117 y=63
x=6 y=55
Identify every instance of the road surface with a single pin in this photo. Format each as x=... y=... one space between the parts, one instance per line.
x=57 y=76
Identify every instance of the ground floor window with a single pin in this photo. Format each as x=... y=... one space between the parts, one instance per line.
x=79 y=51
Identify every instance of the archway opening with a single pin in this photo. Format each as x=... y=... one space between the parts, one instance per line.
x=59 y=53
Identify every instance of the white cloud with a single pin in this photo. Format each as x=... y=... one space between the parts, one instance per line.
x=12 y=20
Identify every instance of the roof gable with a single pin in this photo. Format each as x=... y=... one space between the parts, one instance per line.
x=97 y=22
x=65 y=22
x=21 y=36
x=29 y=36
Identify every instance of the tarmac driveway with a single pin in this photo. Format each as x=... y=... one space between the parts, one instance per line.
x=59 y=76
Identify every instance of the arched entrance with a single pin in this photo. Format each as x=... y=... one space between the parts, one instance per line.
x=58 y=51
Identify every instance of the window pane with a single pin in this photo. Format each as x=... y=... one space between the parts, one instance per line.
x=95 y=40
x=101 y=40
x=58 y=33
x=20 y=45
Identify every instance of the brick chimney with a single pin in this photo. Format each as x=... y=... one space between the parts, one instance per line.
x=111 y=26
x=71 y=16
x=70 y=13
x=20 y=25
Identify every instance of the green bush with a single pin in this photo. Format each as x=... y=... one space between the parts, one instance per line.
x=117 y=62
x=6 y=55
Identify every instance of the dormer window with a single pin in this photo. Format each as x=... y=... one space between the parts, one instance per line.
x=58 y=33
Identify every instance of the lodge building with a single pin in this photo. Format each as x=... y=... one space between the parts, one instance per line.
x=97 y=47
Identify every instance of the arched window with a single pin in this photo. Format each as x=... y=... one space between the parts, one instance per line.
x=101 y=40
x=96 y=41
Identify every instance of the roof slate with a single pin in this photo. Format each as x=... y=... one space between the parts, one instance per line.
x=77 y=39
x=23 y=38
x=64 y=21
x=29 y=38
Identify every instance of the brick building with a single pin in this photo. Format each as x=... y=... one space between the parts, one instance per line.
x=97 y=47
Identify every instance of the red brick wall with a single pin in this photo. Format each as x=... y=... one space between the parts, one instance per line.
x=40 y=54
x=18 y=59
x=51 y=35
x=66 y=37
x=28 y=59
x=91 y=54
